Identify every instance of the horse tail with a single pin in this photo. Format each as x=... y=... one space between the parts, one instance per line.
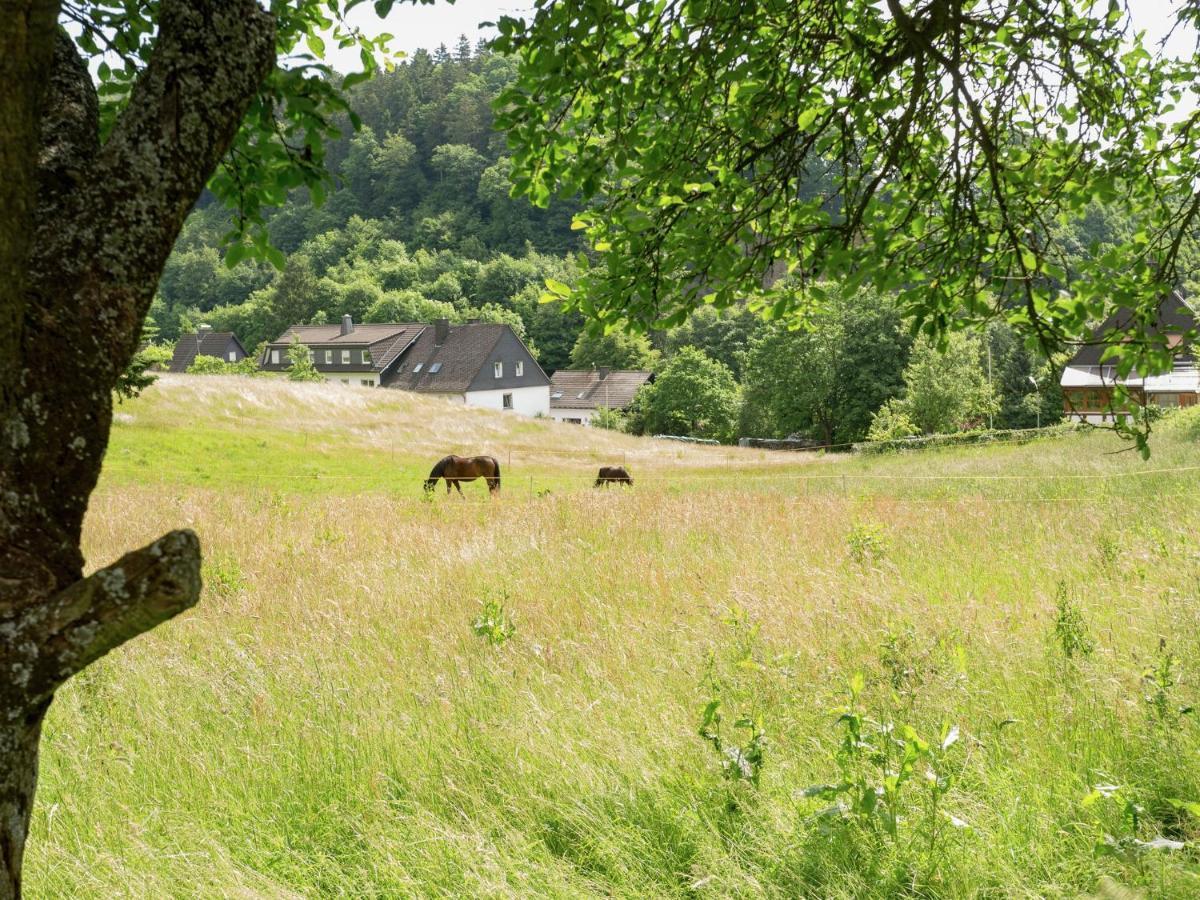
x=494 y=482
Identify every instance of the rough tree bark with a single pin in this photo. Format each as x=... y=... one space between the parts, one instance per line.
x=85 y=229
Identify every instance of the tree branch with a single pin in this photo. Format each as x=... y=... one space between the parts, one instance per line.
x=74 y=628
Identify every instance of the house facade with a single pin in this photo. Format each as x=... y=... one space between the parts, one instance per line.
x=357 y=355
x=1088 y=382
x=223 y=345
x=477 y=364
x=576 y=394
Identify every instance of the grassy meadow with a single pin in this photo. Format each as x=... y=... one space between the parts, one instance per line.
x=949 y=674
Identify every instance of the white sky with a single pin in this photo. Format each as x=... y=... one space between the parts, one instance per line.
x=416 y=26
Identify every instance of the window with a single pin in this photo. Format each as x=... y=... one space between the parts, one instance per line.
x=520 y=368
x=233 y=356
x=366 y=357
x=329 y=357
x=435 y=368
x=557 y=395
x=417 y=368
x=498 y=370
x=345 y=381
x=274 y=357
x=506 y=401
x=366 y=382
x=345 y=357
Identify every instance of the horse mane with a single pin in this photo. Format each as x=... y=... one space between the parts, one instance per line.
x=439 y=467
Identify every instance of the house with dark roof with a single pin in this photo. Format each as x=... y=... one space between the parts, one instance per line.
x=224 y=345
x=479 y=364
x=358 y=355
x=576 y=394
x=1088 y=381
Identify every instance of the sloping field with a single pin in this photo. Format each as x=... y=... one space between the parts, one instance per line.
x=944 y=675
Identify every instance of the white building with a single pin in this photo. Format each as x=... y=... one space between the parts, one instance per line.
x=1088 y=381
x=576 y=394
x=479 y=364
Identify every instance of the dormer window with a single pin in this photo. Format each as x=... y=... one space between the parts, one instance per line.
x=329 y=357
x=498 y=370
x=274 y=357
x=345 y=357
x=366 y=357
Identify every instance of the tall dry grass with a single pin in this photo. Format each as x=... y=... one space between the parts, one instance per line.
x=326 y=723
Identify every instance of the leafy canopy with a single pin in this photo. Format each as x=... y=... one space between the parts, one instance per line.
x=693 y=396
x=825 y=380
x=948 y=141
x=296 y=113
x=944 y=391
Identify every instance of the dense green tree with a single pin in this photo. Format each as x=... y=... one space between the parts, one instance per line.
x=826 y=380
x=722 y=334
x=618 y=349
x=945 y=389
x=552 y=328
x=1026 y=384
x=693 y=396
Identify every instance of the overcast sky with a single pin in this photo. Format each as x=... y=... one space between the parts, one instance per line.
x=416 y=26
x=441 y=23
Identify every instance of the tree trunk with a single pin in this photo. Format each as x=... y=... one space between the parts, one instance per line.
x=85 y=229
x=18 y=778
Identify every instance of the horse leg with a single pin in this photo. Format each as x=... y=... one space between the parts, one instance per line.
x=458 y=487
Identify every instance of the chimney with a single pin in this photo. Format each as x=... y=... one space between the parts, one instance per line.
x=441 y=331
x=203 y=329
x=347 y=324
x=604 y=370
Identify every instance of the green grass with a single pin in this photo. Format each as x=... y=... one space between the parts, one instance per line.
x=327 y=722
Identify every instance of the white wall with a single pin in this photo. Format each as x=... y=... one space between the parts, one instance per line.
x=561 y=415
x=527 y=401
x=354 y=379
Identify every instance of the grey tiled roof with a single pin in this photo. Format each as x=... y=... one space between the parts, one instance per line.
x=1175 y=316
x=462 y=356
x=585 y=389
x=208 y=343
x=384 y=342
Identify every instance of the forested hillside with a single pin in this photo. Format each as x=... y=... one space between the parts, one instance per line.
x=419 y=225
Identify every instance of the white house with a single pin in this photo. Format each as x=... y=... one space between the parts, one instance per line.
x=576 y=394
x=479 y=364
x=1088 y=382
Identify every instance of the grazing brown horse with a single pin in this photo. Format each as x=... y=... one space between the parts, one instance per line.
x=613 y=475
x=465 y=468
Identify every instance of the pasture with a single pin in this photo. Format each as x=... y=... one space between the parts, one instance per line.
x=959 y=673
